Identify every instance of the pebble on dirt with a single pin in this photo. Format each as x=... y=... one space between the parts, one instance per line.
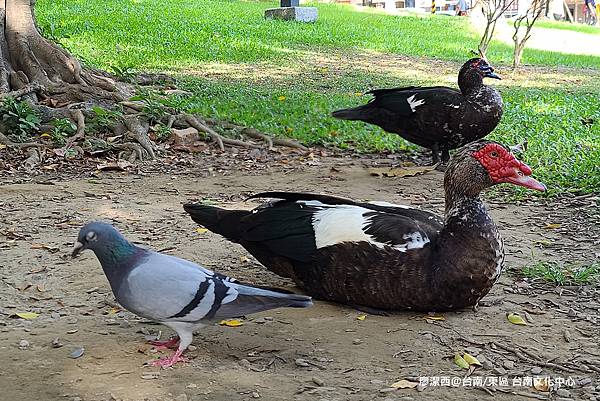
x=77 y=353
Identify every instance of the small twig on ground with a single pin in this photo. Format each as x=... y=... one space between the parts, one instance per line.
x=523 y=394
x=487 y=390
x=519 y=352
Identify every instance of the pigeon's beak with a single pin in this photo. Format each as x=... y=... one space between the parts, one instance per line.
x=77 y=248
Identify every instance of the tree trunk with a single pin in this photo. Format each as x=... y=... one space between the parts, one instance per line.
x=517 y=54
x=30 y=59
x=57 y=86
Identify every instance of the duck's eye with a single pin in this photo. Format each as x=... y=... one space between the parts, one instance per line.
x=494 y=154
x=91 y=236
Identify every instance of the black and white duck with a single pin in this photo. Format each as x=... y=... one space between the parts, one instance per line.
x=380 y=255
x=437 y=117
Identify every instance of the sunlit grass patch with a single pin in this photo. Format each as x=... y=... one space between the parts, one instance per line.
x=559 y=274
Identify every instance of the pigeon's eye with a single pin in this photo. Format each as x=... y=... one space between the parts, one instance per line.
x=494 y=154
x=91 y=236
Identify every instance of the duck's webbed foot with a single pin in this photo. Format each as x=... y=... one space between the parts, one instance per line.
x=445 y=156
x=435 y=154
x=443 y=165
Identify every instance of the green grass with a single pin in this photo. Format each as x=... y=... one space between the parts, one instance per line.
x=563 y=150
x=567 y=26
x=182 y=33
x=559 y=274
x=272 y=60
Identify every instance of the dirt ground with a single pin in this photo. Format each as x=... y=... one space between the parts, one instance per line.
x=320 y=353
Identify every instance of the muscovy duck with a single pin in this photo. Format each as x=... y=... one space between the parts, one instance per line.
x=380 y=255
x=437 y=117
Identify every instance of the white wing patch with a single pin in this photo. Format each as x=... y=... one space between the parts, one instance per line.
x=346 y=223
x=416 y=240
x=414 y=103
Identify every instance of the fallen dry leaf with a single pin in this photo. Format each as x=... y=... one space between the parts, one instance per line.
x=541 y=384
x=471 y=360
x=114 y=310
x=361 y=317
x=231 y=323
x=51 y=249
x=399 y=171
x=460 y=361
x=552 y=226
x=201 y=230
x=404 y=384
x=434 y=317
x=27 y=315
x=542 y=242
x=120 y=165
x=515 y=318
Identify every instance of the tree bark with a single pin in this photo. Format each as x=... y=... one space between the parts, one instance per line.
x=57 y=86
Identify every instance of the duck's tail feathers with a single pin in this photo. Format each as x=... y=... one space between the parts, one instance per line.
x=355 y=113
x=218 y=220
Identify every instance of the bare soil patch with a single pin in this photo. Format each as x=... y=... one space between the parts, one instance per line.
x=320 y=353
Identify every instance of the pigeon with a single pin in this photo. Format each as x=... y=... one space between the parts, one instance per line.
x=172 y=291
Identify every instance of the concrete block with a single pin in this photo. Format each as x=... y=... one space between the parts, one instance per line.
x=302 y=14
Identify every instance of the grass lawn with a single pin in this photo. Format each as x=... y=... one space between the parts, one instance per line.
x=567 y=26
x=285 y=78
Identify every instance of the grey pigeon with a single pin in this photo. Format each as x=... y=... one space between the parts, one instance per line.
x=175 y=292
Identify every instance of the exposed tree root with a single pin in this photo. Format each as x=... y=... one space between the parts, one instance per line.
x=4 y=140
x=220 y=140
x=256 y=134
x=57 y=86
x=33 y=159
x=253 y=133
x=138 y=130
x=133 y=150
x=22 y=92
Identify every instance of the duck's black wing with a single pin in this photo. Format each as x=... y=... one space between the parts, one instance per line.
x=407 y=101
x=299 y=224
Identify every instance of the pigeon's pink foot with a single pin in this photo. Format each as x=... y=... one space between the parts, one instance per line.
x=170 y=343
x=170 y=361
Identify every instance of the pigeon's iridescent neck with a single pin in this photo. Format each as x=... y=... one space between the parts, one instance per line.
x=118 y=259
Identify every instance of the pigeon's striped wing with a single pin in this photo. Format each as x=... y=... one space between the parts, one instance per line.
x=165 y=288
x=169 y=289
